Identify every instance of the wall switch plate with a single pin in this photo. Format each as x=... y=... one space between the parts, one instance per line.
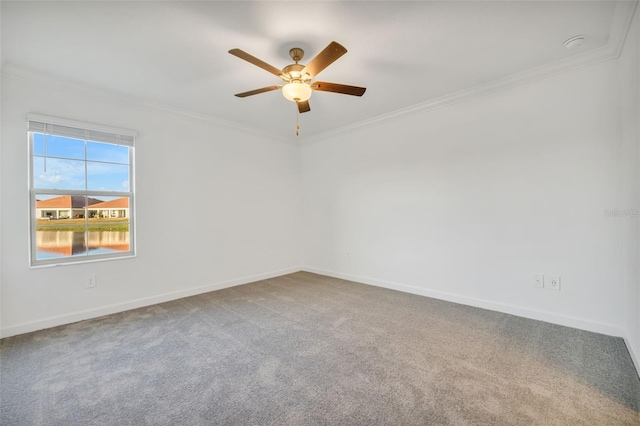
x=91 y=281
x=554 y=282
x=538 y=280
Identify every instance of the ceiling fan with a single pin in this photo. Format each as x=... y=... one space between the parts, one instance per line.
x=297 y=77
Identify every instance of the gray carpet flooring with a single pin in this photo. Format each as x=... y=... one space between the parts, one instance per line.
x=305 y=349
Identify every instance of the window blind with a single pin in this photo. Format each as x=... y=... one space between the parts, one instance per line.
x=87 y=131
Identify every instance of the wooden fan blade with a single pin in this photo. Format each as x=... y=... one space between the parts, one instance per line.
x=303 y=106
x=323 y=86
x=256 y=91
x=325 y=58
x=255 y=61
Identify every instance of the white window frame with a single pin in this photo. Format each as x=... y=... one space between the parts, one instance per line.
x=37 y=123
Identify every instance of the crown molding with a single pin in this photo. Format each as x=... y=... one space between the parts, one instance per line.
x=35 y=77
x=620 y=24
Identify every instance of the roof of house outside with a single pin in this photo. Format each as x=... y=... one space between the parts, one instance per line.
x=67 y=201
x=118 y=203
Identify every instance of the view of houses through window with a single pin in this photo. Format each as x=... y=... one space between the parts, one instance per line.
x=81 y=194
x=68 y=225
x=76 y=206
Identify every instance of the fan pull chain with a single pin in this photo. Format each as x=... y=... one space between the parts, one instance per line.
x=297 y=123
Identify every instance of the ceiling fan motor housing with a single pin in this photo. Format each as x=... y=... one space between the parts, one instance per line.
x=292 y=73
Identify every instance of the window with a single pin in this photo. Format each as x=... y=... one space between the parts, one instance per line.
x=81 y=191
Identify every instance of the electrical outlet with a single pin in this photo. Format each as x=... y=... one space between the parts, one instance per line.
x=91 y=281
x=554 y=282
x=538 y=280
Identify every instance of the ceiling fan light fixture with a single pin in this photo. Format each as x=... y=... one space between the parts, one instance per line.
x=296 y=92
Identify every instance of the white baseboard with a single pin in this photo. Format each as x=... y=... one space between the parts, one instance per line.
x=134 y=304
x=633 y=354
x=574 y=322
x=568 y=321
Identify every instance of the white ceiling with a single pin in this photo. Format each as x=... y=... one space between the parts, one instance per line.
x=174 y=54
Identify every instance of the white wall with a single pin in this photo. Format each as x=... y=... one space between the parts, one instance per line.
x=0 y=185
x=629 y=81
x=468 y=201
x=241 y=192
